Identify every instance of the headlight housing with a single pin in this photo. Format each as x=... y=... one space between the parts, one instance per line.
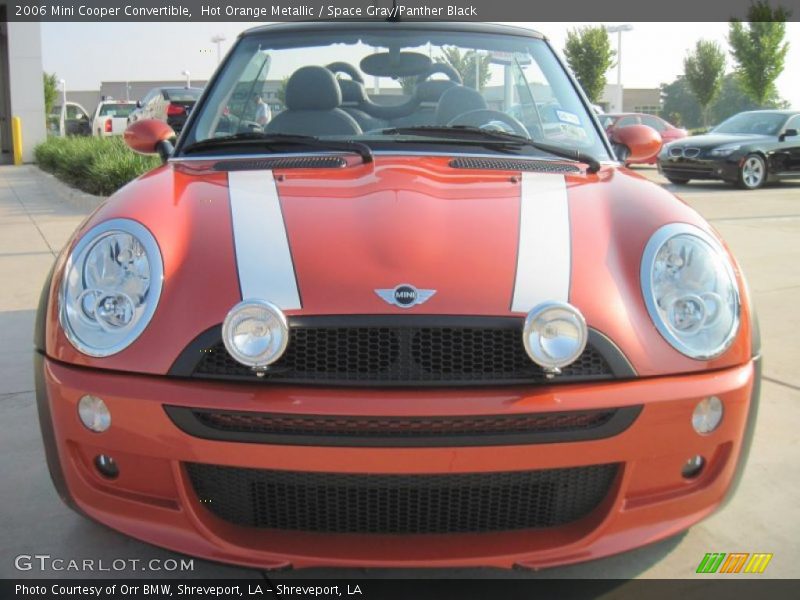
x=111 y=287
x=725 y=150
x=255 y=333
x=690 y=291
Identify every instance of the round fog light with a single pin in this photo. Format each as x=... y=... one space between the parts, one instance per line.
x=554 y=335
x=693 y=467
x=707 y=415
x=255 y=333
x=94 y=413
x=106 y=466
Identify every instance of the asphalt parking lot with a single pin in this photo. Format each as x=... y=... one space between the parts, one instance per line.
x=763 y=229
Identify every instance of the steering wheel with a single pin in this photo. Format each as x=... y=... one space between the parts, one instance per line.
x=484 y=118
x=347 y=69
x=442 y=68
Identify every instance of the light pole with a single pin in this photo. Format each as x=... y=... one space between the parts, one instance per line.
x=618 y=29
x=218 y=39
x=62 y=127
x=188 y=78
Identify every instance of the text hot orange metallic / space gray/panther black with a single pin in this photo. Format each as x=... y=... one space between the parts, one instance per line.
x=408 y=316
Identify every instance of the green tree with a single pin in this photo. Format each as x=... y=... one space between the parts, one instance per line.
x=681 y=108
x=704 y=69
x=759 y=49
x=589 y=55
x=465 y=64
x=50 y=91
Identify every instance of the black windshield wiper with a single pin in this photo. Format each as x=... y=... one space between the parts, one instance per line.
x=465 y=132
x=281 y=139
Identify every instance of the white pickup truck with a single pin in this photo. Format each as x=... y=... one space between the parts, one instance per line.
x=111 y=117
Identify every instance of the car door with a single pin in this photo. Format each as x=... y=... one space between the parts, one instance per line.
x=791 y=145
x=148 y=105
x=76 y=121
x=159 y=107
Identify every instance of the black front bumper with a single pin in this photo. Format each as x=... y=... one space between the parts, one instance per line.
x=699 y=168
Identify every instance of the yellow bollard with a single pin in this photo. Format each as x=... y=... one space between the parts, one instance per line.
x=16 y=135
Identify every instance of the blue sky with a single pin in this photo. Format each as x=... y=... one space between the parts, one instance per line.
x=84 y=54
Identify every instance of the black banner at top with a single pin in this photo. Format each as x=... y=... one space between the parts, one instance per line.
x=429 y=10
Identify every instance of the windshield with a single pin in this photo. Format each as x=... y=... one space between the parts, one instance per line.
x=116 y=110
x=183 y=95
x=759 y=123
x=372 y=85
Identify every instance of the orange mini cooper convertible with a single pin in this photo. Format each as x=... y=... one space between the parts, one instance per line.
x=387 y=323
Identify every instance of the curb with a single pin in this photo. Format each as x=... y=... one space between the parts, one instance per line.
x=76 y=198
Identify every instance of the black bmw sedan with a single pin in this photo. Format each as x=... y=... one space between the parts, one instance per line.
x=747 y=149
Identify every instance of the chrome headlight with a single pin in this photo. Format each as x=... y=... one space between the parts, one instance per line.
x=112 y=283
x=690 y=290
x=255 y=333
x=725 y=150
x=554 y=335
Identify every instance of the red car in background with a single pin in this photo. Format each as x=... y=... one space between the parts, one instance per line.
x=612 y=123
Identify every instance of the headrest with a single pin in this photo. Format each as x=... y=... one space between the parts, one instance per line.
x=353 y=92
x=432 y=89
x=313 y=88
x=457 y=101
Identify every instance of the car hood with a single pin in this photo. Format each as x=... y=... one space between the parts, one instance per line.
x=326 y=241
x=712 y=140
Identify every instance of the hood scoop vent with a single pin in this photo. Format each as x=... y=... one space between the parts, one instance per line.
x=284 y=162
x=512 y=164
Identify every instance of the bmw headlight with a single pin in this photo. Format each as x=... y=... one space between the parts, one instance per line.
x=111 y=287
x=255 y=333
x=725 y=150
x=690 y=290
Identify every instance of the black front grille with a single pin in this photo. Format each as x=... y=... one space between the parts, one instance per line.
x=512 y=164
x=402 y=355
x=401 y=504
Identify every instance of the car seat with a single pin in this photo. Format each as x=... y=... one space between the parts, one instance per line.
x=313 y=98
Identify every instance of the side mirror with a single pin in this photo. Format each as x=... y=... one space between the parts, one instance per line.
x=150 y=136
x=138 y=104
x=787 y=133
x=639 y=142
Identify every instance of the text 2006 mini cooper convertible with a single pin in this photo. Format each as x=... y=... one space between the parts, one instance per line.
x=403 y=322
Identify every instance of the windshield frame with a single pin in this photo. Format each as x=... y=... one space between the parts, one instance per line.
x=354 y=29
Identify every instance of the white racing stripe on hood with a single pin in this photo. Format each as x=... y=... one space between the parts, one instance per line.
x=544 y=254
x=263 y=258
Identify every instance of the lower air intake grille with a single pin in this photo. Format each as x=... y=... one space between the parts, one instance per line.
x=401 y=504
x=512 y=164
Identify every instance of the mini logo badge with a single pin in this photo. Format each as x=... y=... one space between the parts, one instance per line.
x=405 y=295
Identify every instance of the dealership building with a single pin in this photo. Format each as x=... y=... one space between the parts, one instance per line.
x=21 y=92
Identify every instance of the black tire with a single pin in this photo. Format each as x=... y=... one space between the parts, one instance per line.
x=752 y=173
x=677 y=180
